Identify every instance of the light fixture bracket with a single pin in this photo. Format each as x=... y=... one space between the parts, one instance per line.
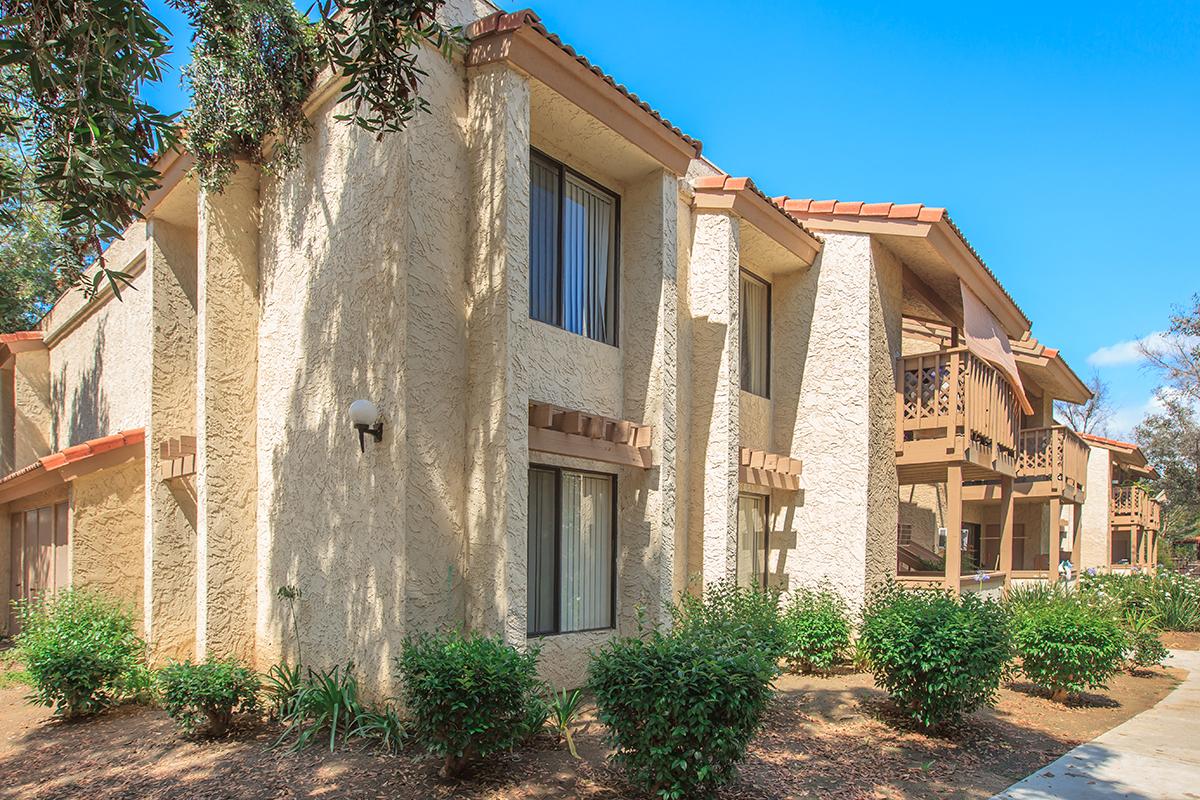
x=375 y=430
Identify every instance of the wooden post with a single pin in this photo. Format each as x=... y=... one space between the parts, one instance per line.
x=1076 y=544
x=1006 y=528
x=1055 y=537
x=954 y=524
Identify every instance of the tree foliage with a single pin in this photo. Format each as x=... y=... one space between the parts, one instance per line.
x=70 y=74
x=1171 y=441
x=29 y=254
x=1176 y=356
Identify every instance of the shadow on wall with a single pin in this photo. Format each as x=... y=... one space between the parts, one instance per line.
x=338 y=281
x=86 y=415
x=708 y=342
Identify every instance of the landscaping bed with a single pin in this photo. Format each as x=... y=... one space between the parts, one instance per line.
x=824 y=737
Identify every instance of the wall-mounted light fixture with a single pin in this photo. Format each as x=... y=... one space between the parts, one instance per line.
x=365 y=417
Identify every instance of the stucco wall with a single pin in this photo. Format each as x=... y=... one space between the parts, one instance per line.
x=99 y=370
x=32 y=408
x=169 y=557
x=844 y=326
x=1094 y=517
x=107 y=523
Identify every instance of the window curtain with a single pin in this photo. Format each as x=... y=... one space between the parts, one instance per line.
x=752 y=540
x=587 y=557
x=755 y=334
x=589 y=250
x=544 y=204
x=540 y=546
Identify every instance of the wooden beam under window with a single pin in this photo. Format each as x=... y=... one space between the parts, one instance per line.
x=593 y=437
x=760 y=468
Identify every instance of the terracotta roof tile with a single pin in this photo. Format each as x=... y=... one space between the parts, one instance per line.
x=79 y=452
x=729 y=184
x=20 y=336
x=501 y=22
x=914 y=211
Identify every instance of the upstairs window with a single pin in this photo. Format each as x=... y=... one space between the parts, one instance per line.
x=573 y=241
x=755 y=313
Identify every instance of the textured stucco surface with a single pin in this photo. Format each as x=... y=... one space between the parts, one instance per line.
x=226 y=366
x=100 y=369
x=107 y=514
x=1094 y=516
x=33 y=416
x=169 y=547
x=843 y=321
x=715 y=409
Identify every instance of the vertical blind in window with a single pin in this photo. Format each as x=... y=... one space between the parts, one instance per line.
x=754 y=308
x=570 y=550
x=573 y=252
x=752 y=540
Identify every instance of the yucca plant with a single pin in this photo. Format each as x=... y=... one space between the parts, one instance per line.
x=324 y=701
x=384 y=726
x=565 y=708
x=281 y=684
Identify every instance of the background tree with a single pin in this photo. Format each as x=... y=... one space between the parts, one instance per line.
x=1176 y=355
x=1092 y=416
x=71 y=72
x=29 y=245
x=1171 y=438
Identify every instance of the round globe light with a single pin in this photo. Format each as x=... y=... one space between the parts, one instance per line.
x=364 y=412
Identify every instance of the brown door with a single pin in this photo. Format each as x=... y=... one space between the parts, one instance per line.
x=39 y=554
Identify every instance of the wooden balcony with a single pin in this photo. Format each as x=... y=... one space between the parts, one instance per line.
x=952 y=407
x=1132 y=507
x=1155 y=523
x=1051 y=463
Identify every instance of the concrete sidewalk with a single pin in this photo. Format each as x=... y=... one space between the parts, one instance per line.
x=1153 y=755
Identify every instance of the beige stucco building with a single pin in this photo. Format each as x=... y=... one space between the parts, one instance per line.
x=1122 y=520
x=605 y=373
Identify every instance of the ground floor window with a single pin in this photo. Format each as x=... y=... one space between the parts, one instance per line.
x=571 y=550
x=752 y=540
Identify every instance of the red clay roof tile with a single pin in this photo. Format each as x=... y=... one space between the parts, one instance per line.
x=79 y=452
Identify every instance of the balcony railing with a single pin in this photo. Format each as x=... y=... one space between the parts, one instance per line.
x=1155 y=521
x=1054 y=455
x=1131 y=505
x=952 y=405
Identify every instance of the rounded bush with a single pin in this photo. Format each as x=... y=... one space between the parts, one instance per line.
x=938 y=656
x=1068 y=646
x=816 y=630
x=469 y=695
x=81 y=651
x=208 y=694
x=682 y=707
x=747 y=613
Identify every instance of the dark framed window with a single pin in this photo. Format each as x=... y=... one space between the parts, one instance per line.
x=752 y=535
x=574 y=245
x=754 y=312
x=572 y=551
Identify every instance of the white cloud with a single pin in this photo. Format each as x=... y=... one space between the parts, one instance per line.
x=1126 y=352
x=1125 y=418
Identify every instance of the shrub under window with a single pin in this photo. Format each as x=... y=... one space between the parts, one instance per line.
x=816 y=630
x=469 y=696
x=681 y=708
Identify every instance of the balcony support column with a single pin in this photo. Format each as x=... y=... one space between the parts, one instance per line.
x=954 y=524
x=1007 y=510
x=1055 y=538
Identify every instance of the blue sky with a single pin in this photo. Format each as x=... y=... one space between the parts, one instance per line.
x=1063 y=137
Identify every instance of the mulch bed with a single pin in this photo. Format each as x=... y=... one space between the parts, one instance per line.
x=835 y=737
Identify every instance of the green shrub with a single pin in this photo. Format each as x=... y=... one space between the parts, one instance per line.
x=469 y=696
x=816 y=630
x=682 y=707
x=1143 y=648
x=938 y=656
x=1068 y=646
x=321 y=701
x=81 y=651
x=747 y=613
x=208 y=694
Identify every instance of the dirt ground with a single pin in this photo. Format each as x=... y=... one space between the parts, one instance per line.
x=1181 y=640
x=824 y=737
